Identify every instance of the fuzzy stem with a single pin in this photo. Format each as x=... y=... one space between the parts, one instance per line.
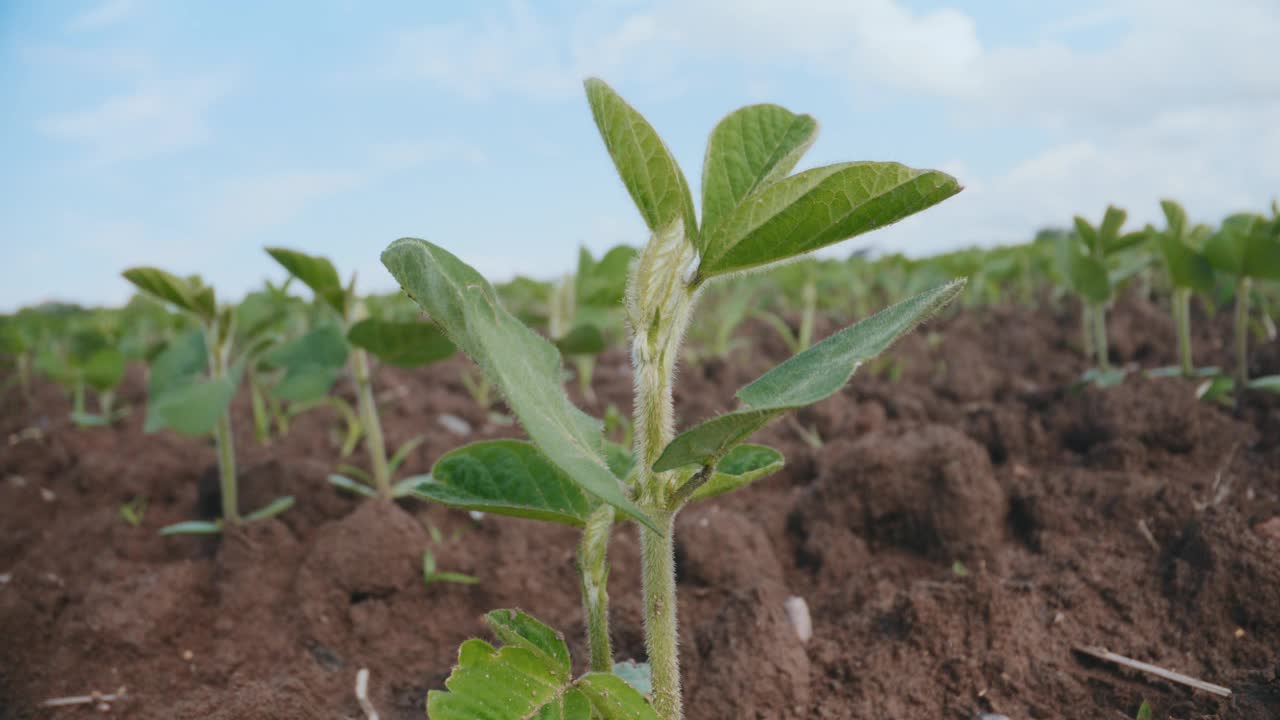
x=659 y=301
x=373 y=441
x=593 y=567
x=1086 y=328
x=1099 y=315
x=219 y=351
x=1242 y=332
x=1182 y=316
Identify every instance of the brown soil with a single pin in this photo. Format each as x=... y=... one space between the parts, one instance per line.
x=960 y=531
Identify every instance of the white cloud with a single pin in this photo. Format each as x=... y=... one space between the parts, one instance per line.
x=103 y=15
x=154 y=119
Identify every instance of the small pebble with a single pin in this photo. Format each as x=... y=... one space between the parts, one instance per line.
x=17 y=481
x=187 y=655
x=47 y=495
x=455 y=424
x=1239 y=632
x=798 y=612
x=5 y=578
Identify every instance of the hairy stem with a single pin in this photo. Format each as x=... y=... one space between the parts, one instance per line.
x=1242 y=333
x=593 y=567
x=219 y=354
x=1182 y=316
x=659 y=302
x=1100 y=336
x=373 y=441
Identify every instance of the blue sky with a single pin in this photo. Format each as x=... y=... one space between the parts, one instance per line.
x=190 y=135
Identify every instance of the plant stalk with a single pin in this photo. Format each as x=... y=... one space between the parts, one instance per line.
x=1086 y=328
x=1099 y=315
x=373 y=441
x=1242 y=333
x=1182 y=316
x=659 y=302
x=219 y=351
x=593 y=567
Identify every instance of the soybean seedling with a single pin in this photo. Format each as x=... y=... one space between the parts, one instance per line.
x=583 y=308
x=432 y=575
x=192 y=383
x=1246 y=247
x=1095 y=267
x=755 y=215
x=401 y=343
x=1189 y=270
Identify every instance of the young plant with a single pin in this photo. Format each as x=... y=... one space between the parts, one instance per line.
x=802 y=338
x=1246 y=247
x=404 y=344
x=1095 y=271
x=192 y=384
x=754 y=215
x=432 y=575
x=1189 y=272
x=584 y=307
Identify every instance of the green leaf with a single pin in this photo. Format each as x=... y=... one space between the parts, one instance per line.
x=1109 y=231
x=740 y=467
x=175 y=290
x=506 y=477
x=1225 y=249
x=1089 y=278
x=603 y=283
x=619 y=458
x=811 y=376
x=1088 y=234
x=529 y=678
x=271 y=509
x=1176 y=217
x=346 y=483
x=521 y=363
x=182 y=361
x=648 y=170
x=316 y=273
x=1145 y=712
x=1187 y=268
x=816 y=208
x=584 y=339
x=311 y=364
x=403 y=344
x=748 y=149
x=192 y=527
x=192 y=409
x=104 y=369
x=1270 y=383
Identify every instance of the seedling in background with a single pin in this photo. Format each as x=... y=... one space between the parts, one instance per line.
x=431 y=575
x=192 y=384
x=802 y=338
x=1189 y=272
x=584 y=307
x=405 y=344
x=755 y=215
x=1096 y=266
x=134 y=511
x=1247 y=248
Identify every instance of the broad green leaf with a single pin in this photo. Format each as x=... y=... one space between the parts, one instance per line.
x=1126 y=241
x=1225 y=250
x=403 y=344
x=83 y=344
x=1176 y=218
x=104 y=369
x=175 y=290
x=583 y=339
x=182 y=361
x=748 y=149
x=1187 y=268
x=806 y=378
x=521 y=363
x=529 y=678
x=311 y=364
x=1109 y=231
x=192 y=409
x=506 y=477
x=816 y=208
x=603 y=283
x=1088 y=234
x=514 y=627
x=316 y=273
x=1262 y=251
x=648 y=170
x=740 y=467
x=1089 y=278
